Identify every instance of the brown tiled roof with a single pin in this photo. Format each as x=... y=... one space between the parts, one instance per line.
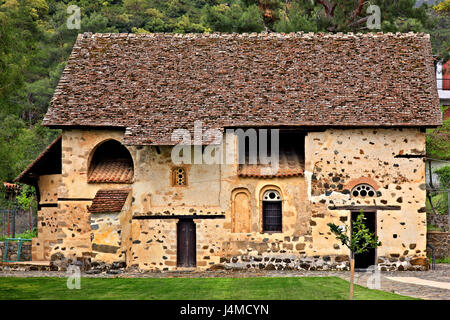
x=109 y=201
x=151 y=84
x=48 y=162
x=112 y=171
x=290 y=165
x=11 y=186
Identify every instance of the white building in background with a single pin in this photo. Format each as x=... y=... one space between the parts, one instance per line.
x=443 y=82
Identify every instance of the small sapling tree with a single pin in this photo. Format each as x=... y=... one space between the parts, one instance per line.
x=360 y=240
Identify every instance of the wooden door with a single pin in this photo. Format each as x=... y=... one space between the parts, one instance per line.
x=186 y=243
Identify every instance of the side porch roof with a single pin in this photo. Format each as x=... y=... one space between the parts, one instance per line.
x=48 y=162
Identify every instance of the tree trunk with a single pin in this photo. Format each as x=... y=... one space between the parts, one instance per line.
x=352 y=274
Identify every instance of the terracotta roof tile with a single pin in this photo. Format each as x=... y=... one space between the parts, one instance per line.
x=290 y=165
x=112 y=171
x=151 y=84
x=109 y=201
x=11 y=186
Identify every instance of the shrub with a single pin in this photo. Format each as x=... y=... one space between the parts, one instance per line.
x=444 y=176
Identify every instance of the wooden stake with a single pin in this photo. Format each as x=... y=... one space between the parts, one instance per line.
x=352 y=275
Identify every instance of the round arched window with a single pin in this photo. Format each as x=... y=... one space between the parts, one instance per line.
x=363 y=190
x=272 y=211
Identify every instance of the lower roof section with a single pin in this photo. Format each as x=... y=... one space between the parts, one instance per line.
x=48 y=162
x=109 y=201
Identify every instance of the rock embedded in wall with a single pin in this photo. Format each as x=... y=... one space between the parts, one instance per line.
x=284 y=262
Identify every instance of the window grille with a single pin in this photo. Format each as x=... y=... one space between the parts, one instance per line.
x=363 y=190
x=272 y=213
x=179 y=177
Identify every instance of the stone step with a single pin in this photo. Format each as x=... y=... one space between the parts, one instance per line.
x=26 y=266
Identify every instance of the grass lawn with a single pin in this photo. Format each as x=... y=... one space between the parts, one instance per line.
x=442 y=260
x=311 y=288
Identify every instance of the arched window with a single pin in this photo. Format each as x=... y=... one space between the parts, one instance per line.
x=179 y=177
x=272 y=212
x=111 y=163
x=363 y=190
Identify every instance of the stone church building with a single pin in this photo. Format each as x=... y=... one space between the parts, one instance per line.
x=351 y=112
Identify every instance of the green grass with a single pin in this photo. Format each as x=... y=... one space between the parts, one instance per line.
x=442 y=260
x=289 y=288
x=433 y=228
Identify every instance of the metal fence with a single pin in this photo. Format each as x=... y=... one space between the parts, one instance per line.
x=14 y=221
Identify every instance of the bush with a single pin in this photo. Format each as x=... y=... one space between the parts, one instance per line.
x=444 y=176
x=29 y=234
x=440 y=203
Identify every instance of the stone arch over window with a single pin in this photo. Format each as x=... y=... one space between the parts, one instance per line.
x=241 y=211
x=367 y=181
x=110 y=162
x=179 y=177
x=272 y=210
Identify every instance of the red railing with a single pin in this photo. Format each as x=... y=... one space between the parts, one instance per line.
x=443 y=84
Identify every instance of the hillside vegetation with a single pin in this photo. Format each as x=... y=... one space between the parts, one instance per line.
x=35 y=43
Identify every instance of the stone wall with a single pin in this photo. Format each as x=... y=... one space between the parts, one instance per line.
x=339 y=159
x=336 y=160
x=110 y=235
x=47 y=225
x=74 y=232
x=441 y=242
x=438 y=220
x=13 y=247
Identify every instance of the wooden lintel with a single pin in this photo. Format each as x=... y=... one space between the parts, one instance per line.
x=365 y=208
x=75 y=199
x=193 y=216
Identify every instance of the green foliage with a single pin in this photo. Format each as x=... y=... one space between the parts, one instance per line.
x=440 y=33
x=433 y=228
x=438 y=140
x=444 y=176
x=27 y=198
x=440 y=203
x=443 y=7
x=299 y=17
x=442 y=260
x=29 y=234
x=233 y=18
x=360 y=240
